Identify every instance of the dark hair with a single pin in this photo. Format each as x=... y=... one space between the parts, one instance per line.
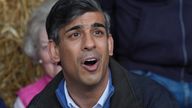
x=65 y=11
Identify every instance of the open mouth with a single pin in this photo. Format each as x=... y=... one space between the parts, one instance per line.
x=90 y=64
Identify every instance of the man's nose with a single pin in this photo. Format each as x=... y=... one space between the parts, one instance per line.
x=89 y=42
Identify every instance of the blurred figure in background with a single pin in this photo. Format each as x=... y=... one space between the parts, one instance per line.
x=2 y=104
x=36 y=47
x=153 y=38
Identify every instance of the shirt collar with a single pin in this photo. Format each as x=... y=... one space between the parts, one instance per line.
x=103 y=97
x=70 y=102
x=66 y=101
x=99 y=104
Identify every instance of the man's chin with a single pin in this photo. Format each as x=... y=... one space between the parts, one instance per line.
x=91 y=81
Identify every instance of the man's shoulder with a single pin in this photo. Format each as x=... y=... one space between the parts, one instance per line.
x=151 y=93
x=47 y=98
x=144 y=91
x=135 y=81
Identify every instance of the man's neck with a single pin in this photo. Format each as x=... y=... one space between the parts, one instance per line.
x=87 y=97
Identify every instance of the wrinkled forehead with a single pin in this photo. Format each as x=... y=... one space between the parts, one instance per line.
x=87 y=20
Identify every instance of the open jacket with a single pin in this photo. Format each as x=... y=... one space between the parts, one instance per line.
x=131 y=91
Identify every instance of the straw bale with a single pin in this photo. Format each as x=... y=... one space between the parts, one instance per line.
x=16 y=70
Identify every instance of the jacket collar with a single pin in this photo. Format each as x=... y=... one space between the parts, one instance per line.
x=124 y=96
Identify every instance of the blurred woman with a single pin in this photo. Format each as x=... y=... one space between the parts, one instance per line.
x=36 y=47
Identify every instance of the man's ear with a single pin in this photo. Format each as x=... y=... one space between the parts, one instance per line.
x=110 y=44
x=54 y=51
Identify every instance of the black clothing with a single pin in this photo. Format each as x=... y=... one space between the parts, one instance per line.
x=153 y=35
x=131 y=91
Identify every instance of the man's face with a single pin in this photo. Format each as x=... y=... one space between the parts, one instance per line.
x=84 y=50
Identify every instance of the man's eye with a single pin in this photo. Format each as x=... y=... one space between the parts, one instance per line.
x=98 y=33
x=75 y=35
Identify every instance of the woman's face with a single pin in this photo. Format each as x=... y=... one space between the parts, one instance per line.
x=49 y=66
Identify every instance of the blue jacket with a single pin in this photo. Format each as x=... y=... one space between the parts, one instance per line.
x=153 y=35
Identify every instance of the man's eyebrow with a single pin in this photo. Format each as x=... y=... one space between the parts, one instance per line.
x=80 y=26
x=74 y=28
x=98 y=25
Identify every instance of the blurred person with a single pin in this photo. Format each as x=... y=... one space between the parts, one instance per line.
x=2 y=104
x=79 y=39
x=153 y=38
x=36 y=47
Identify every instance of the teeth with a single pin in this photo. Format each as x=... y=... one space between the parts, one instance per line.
x=91 y=59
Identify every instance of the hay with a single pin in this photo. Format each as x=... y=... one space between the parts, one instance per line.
x=16 y=70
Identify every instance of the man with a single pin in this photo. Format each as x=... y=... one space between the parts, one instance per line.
x=153 y=38
x=80 y=40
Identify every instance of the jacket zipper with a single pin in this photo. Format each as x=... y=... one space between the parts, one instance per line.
x=184 y=49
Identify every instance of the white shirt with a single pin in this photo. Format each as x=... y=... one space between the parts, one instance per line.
x=99 y=104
